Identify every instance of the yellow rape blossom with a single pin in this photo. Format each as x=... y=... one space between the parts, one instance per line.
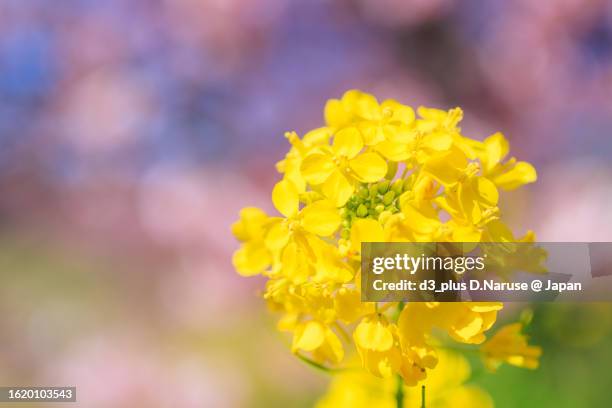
x=376 y=172
x=377 y=345
x=253 y=257
x=510 y=346
x=316 y=337
x=290 y=165
x=339 y=168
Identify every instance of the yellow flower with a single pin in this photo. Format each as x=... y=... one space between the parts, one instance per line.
x=339 y=168
x=464 y=322
x=343 y=112
x=378 y=122
x=320 y=340
x=509 y=345
x=290 y=165
x=294 y=238
x=349 y=307
x=509 y=175
x=377 y=345
x=253 y=257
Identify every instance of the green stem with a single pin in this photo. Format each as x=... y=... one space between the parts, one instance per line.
x=423 y=396
x=399 y=393
x=314 y=364
x=459 y=349
x=321 y=367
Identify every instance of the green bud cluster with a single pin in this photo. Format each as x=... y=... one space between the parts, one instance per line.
x=372 y=201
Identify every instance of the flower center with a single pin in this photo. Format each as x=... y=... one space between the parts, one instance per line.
x=376 y=201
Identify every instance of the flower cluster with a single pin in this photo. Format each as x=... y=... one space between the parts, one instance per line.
x=377 y=172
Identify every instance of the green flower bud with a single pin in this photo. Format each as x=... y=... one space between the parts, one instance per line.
x=363 y=192
x=362 y=211
x=388 y=198
x=383 y=186
x=373 y=191
x=392 y=208
x=379 y=208
x=345 y=234
x=397 y=186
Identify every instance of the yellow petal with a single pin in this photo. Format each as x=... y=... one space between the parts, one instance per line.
x=287 y=322
x=330 y=266
x=364 y=105
x=374 y=133
x=468 y=201
x=308 y=336
x=404 y=135
x=483 y=307
x=331 y=349
x=433 y=114
x=418 y=221
x=294 y=175
x=277 y=236
x=486 y=190
x=285 y=198
x=295 y=263
x=522 y=173
x=316 y=168
x=349 y=306
x=249 y=225
x=321 y=218
x=447 y=168
x=337 y=188
x=496 y=148
x=401 y=113
x=468 y=327
x=373 y=334
x=365 y=230
x=281 y=166
x=393 y=150
x=439 y=141
x=369 y=167
x=316 y=137
x=347 y=142
x=335 y=114
x=473 y=149
x=251 y=259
